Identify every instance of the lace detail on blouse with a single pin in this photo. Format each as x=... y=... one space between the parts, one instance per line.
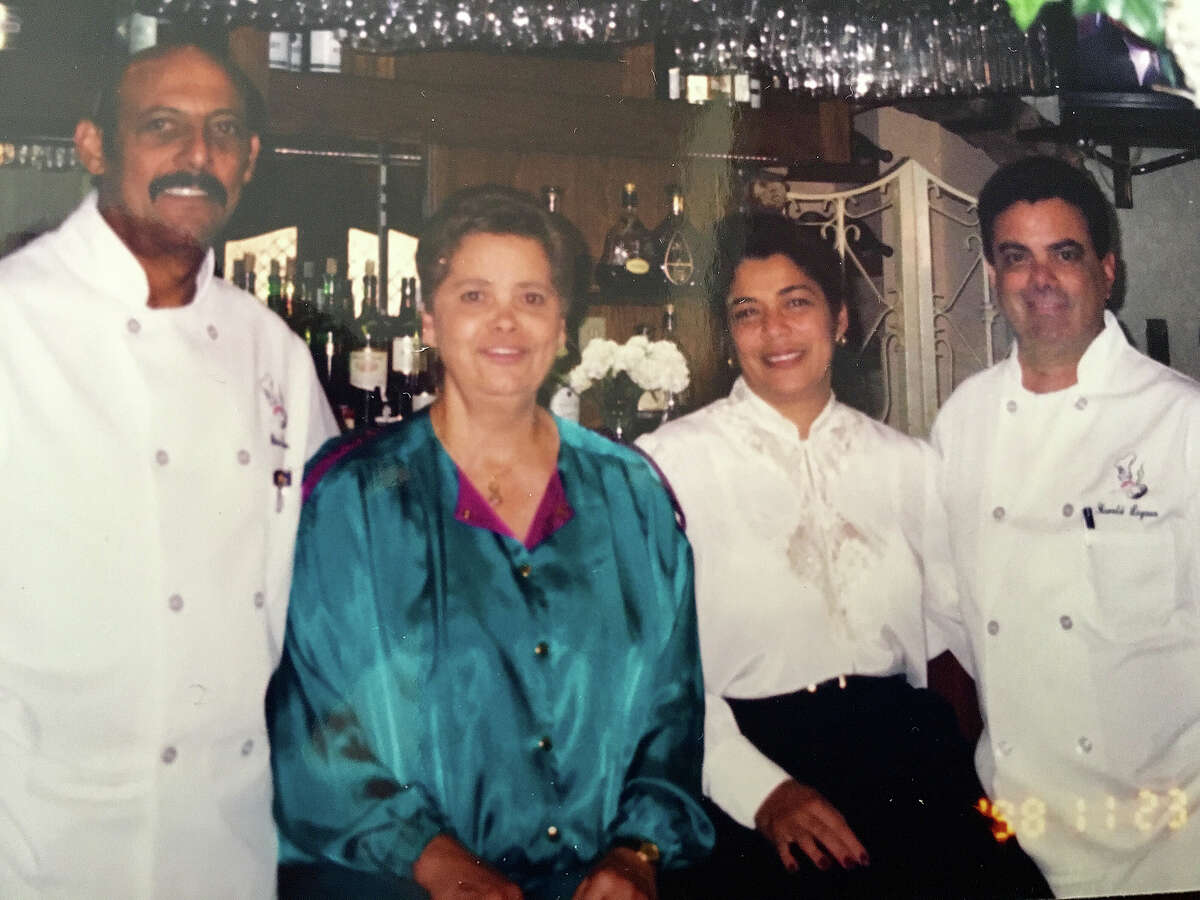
x=824 y=549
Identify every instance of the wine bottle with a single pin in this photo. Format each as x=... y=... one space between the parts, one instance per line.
x=674 y=403
x=328 y=345
x=250 y=260
x=275 y=298
x=368 y=364
x=304 y=299
x=624 y=268
x=406 y=352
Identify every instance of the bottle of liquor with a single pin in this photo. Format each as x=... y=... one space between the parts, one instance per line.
x=552 y=197
x=680 y=255
x=403 y=379
x=239 y=273
x=249 y=263
x=371 y=286
x=368 y=364
x=328 y=343
x=674 y=403
x=304 y=299
x=624 y=268
x=275 y=299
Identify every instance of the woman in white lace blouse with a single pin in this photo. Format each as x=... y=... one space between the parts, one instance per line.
x=816 y=534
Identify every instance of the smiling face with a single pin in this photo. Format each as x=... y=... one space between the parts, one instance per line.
x=496 y=318
x=784 y=331
x=1051 y=284
x=183 y=151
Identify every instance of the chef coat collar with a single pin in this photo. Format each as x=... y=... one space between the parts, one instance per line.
x=1095 y=366
x=101 y=258
x=771 y=419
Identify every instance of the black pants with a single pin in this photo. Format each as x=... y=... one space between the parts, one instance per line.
x=891 y=759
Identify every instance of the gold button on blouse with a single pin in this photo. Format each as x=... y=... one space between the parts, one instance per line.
x=545 y=744
x=541 y=649
x=552 y=833
x=525 y=570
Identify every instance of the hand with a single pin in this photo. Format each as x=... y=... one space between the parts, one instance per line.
x=795 y=813
x=449 y=871
x=621 y=874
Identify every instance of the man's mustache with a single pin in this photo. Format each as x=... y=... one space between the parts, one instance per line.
x=200 y=180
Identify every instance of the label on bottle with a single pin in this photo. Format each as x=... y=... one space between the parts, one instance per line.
x=404 y=355
x=635 y=265
x=368 y=369
x=422 y=400
x=678 y=263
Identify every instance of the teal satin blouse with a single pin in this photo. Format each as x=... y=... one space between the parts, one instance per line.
x=533 y=703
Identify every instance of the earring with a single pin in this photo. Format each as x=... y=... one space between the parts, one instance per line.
x=840 y=340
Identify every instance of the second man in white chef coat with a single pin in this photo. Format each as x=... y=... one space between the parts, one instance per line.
x=1070 y=472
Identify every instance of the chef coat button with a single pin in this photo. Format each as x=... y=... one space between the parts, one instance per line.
x=993 y=627
x=162 y=458
x=247 y=747
x=168 y=755
x=244 y=457
x=175 y=602
x=259 y=600
x=542 y=649
x=1084 y=745
x=1004 y=747
x=545 y=744
x=1066 y=623
x=525 y=570
x=553 y=833
x=134 y=326
x=1011 y=406
x=1081 y=403
x=1068 y=510
x=212 y=331
x=998 y=513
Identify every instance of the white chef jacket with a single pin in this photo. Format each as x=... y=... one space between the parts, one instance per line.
x=808 y=561
x=1084 y=641
x=145 y=563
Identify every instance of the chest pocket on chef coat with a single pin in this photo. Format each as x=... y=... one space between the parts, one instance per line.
x=1133 y=574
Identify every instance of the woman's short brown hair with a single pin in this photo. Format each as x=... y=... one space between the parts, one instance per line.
x=495 y=209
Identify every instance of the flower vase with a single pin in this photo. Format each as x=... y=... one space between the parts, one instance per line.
x=620 y=408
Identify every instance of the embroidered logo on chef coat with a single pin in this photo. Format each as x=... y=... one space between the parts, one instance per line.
x=278 y=410
x=1129 y=474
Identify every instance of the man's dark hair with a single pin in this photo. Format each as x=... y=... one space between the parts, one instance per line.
x=106 y=108
x=495 y=209
x=1045 y=178
x=762 y=235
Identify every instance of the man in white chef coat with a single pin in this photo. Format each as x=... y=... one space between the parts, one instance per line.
x=154 y=425
x=1070 y=474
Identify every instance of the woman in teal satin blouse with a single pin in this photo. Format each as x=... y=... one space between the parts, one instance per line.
x=490 y=683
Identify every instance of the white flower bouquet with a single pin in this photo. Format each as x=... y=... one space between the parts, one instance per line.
x=623 y=372
x=650 y=365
